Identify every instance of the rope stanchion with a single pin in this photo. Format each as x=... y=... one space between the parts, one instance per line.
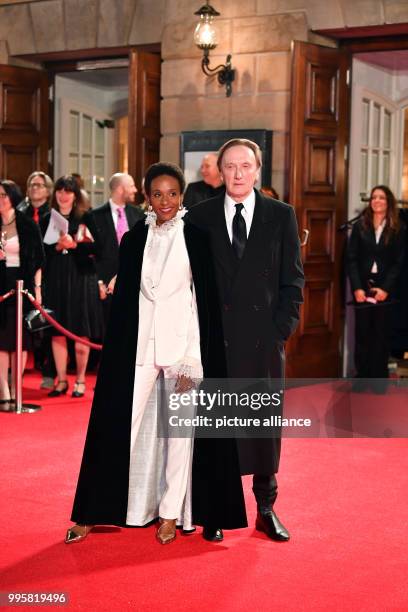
x=16 y=406
x=58 y=326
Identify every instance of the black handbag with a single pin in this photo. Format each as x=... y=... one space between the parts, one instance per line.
x=34 y=320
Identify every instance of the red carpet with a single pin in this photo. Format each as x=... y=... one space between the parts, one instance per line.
x=344 y=502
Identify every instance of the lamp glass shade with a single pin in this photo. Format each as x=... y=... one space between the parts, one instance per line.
x=205 y=35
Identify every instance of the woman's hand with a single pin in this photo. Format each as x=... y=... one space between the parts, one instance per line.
x=111 y=286
x=66 y=242
x=359 y=295
x=102 y=290
x=380 y=294
x=183 y=384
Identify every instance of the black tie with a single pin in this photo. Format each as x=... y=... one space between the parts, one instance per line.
x=239 y=235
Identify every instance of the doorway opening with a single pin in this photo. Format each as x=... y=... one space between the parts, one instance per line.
x=91 y=127
x=379 y=156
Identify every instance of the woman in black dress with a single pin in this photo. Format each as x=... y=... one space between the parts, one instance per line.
x=21 y=257
x=70 y=283
x=375 y=255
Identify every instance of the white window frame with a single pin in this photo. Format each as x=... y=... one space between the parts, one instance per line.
x=66 y=107
x=359 y=95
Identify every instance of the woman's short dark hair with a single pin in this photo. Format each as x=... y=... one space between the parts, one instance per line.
x=70 y=183
x=13 y=191
x=163 y=169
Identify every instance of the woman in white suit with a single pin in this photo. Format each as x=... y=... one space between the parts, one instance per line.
x=165 y=318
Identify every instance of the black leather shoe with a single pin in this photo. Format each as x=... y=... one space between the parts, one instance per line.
x=213 y=535
x=269 y=523
x=78 y=385
x=58 y=392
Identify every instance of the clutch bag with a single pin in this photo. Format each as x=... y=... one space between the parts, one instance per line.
x=34 y=321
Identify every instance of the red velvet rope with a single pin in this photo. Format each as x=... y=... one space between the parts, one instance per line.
x=7 y=295
x=55 y=323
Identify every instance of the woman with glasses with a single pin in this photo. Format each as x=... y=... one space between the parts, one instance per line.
x=35 y=206
x=70 y=283
x=21 y=257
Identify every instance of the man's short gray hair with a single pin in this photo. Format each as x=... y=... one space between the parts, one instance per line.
x=243 y=142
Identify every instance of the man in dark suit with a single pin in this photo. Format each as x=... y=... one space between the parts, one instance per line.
x=209 y=187
x=110 y=221
x=260 y=278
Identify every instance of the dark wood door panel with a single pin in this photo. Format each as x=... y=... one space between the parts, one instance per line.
x=20 y=108
x=320 y=164
x=320 y=123
x=318 y=310
x=144 y=112
x=18 y=162
x=322 y=86
x=151 y=100
x=320 y=246
x=23 y=123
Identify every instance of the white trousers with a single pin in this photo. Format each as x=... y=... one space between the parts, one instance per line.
x=177 y=462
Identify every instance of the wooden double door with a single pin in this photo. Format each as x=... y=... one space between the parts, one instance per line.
x=25 y=118
x=317 y=188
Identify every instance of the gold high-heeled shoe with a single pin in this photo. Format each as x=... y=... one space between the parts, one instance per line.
x=166 y=532
x=77 y=533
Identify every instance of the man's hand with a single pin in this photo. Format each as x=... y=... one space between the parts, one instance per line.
x=360 y=295
x=380 y=294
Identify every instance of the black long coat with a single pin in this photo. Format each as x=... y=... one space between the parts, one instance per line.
x=260 y=296
x=102 y=491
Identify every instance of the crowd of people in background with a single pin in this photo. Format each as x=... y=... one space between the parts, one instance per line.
x=70 y=275
x=74 y=276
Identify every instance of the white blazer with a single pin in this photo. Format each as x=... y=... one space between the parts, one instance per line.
x=167 y=304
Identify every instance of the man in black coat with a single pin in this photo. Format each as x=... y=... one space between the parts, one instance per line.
x=260 y=278
x=109 y=222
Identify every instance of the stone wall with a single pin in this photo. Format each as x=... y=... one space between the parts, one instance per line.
x=258 y=33
x=260 y=45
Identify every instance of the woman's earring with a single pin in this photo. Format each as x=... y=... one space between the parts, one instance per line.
x=181 y=205
x=149 y=208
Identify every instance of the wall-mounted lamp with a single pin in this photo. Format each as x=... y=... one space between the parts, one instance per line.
x=205 y=37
